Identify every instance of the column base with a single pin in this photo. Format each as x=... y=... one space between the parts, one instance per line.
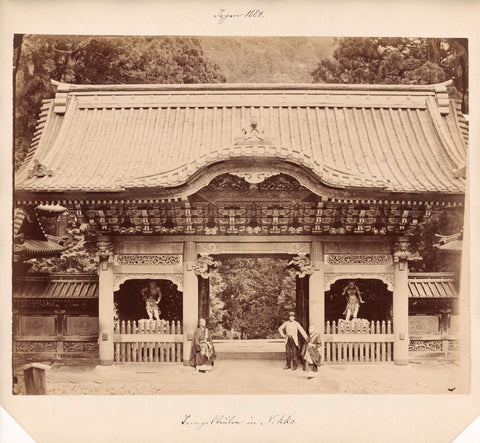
x=398 y=361
x=106 y=362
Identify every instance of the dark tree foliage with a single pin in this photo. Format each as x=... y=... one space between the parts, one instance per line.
x=251 y=297
x=445 y=222
x=390 y=60
x=98 y=60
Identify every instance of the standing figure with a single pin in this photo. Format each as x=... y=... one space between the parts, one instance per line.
x=353 y=300
x=291 y=328
x=202 y=354
x=151 y=303
x=312 y=352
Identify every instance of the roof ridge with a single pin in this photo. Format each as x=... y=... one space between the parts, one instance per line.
x=63 y=88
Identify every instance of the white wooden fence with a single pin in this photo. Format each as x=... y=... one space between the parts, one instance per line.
x=148 y=341
x=354 y=342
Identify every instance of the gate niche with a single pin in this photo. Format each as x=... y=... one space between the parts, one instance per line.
x=147 y=325
x=358 y=314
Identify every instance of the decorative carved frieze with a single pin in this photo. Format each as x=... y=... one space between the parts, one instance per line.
x=120 y=278
x=280 y=182
x=359 y=259
x=36 y=346
x=228 y=182
x=80 y=346
x=139 y=259
x=290 y=211
x=330 y=278
x=425 y=345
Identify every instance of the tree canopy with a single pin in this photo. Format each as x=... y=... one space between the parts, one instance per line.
x=250 y=297
x=390 y=60
x=98 y=60
x=267 y=59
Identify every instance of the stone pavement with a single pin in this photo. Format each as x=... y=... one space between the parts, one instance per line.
x=252 y=377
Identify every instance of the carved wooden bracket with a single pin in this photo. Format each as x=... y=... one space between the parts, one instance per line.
x=205 y=265
x=105 y=249
x=302 y=265
x=403 y=252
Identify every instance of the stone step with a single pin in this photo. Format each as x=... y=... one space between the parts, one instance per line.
x=251 y=355
x=263 y=349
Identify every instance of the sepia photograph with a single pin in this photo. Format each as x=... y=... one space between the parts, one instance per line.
x=239 y=215
x=239 y=222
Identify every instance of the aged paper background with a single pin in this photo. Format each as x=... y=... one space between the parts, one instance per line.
x=322 y=417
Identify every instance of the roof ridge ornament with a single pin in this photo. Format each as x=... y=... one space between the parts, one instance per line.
x=254 y=177
x=39 y=170
x=254 y=135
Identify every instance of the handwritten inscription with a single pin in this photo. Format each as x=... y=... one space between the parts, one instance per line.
x=225 y=420
x=222 y=15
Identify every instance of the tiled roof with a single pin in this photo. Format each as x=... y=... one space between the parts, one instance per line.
x=432 y=285
x=30 y=238
x=111 y=138
x=453 y=246
x=39 y=247
x=56 y=286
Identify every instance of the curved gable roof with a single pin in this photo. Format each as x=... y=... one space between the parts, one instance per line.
x=117 y=137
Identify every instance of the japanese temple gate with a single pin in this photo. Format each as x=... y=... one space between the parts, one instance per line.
x=163 y=175
x=175 y=260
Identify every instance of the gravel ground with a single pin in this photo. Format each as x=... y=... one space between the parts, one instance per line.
x=251 y=377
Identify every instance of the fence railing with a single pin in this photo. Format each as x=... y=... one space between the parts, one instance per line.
x=148 y=341
x=362 y=342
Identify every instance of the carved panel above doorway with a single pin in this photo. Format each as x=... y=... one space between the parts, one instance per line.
x=149 y=259
x=359 y=259
x=330 y=278
x=120 y=278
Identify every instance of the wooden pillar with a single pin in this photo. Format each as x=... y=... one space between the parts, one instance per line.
x=400 y=313
x=316 y=288
x=204 y=298
x=190 y=297
x=105 y=311
x=301 y=306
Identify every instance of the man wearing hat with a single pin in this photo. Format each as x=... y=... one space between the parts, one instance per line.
x=289 y=330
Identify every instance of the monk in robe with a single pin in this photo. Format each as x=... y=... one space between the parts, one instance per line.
x=312 y=352
x=202 y=355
